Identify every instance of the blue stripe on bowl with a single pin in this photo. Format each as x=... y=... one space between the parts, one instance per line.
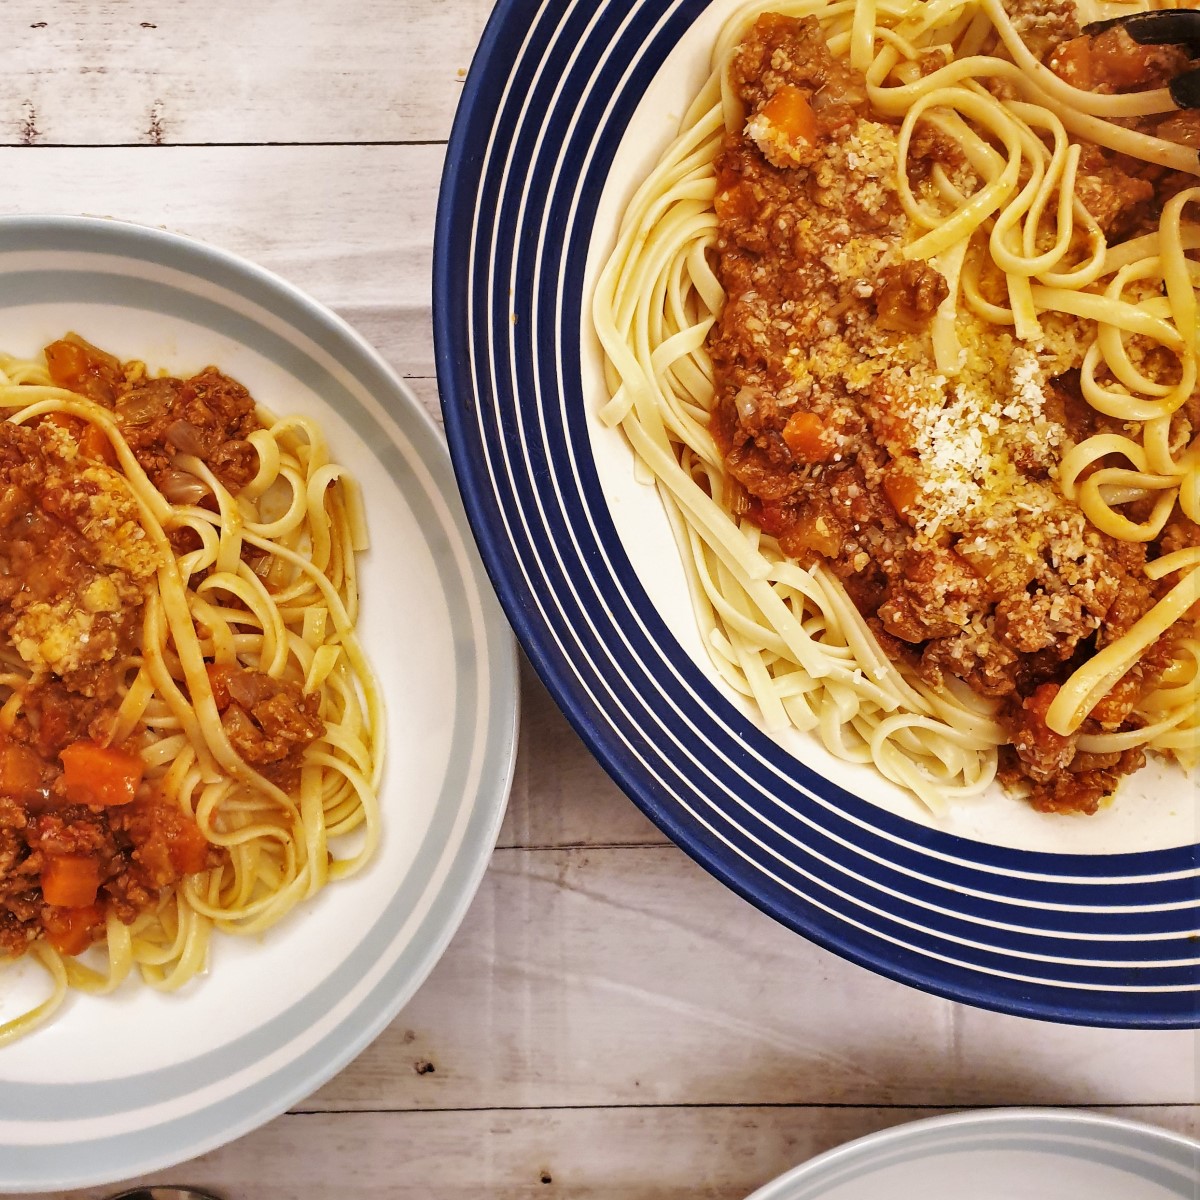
x=484 y=652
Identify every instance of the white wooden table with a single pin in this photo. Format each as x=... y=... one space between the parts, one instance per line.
x=610 y=1021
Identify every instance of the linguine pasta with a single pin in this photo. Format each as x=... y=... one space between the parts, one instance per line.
x=233 y=679
x=984 y=175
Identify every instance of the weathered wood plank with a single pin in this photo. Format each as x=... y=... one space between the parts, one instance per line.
x=350 y=225
x=353 y=225
x=629 y=976
x=177 y=72
x=585 y=1154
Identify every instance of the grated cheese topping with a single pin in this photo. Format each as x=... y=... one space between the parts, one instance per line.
x=72 y=627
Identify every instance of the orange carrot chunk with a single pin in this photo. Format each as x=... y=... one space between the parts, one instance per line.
x=902 y=490
x=80 y=367
x=790 y=112
x=219 y=675
x=64 y=421
x=20 y=771
x=807 y=438
x=70 y=880
x=100 y=775
x=72 y=930
x=94 y=443
x=188 y=848
x=1074 y=62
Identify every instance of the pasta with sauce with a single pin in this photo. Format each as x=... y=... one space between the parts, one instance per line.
x=188 y=724
x=904 y=328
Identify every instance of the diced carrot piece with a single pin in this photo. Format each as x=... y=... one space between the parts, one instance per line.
x=1073 y=62
x=218 y=679
x=802 y=541
x=982 y=558
x=65 y=421
x=188 y=847
x=80 y=367
x=94 y=443
x=72 y=930
x=770 y=22
x=1123 y=63
x=66 y=362
x=70 y=880
x=807 y=438
x=100 y=775
x=818 y=535
x=20 y=771
x=790 y=112
x=901 y=489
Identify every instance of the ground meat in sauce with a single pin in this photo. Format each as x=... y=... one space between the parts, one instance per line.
x=207 y=415
x=75 y=570
x=141 y=848
x=819 y=356
x=268 y=721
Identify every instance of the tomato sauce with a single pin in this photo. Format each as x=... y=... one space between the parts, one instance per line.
x=84 y=837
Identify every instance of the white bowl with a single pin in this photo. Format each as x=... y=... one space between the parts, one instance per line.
x=119 y=1085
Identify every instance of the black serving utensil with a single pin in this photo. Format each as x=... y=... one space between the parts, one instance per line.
x=1163 y=27
x=164 y=1193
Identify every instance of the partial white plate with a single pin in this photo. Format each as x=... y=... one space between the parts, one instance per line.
x=120 y=1085
x=1008 y=1154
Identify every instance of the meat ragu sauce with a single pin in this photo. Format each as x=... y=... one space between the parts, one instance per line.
x=942 y=520
x=82 y=836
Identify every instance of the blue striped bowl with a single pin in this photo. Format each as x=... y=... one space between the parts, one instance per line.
x=120 y=1085
x=1088 y=920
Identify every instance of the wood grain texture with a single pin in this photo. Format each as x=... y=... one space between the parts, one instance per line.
x=715 y=1153
x=351 y=225
x=224 y=71
x=628 y=976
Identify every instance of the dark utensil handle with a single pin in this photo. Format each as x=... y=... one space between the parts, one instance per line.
x=164 y=1193
x=1165 y=27
x=1185 y=89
